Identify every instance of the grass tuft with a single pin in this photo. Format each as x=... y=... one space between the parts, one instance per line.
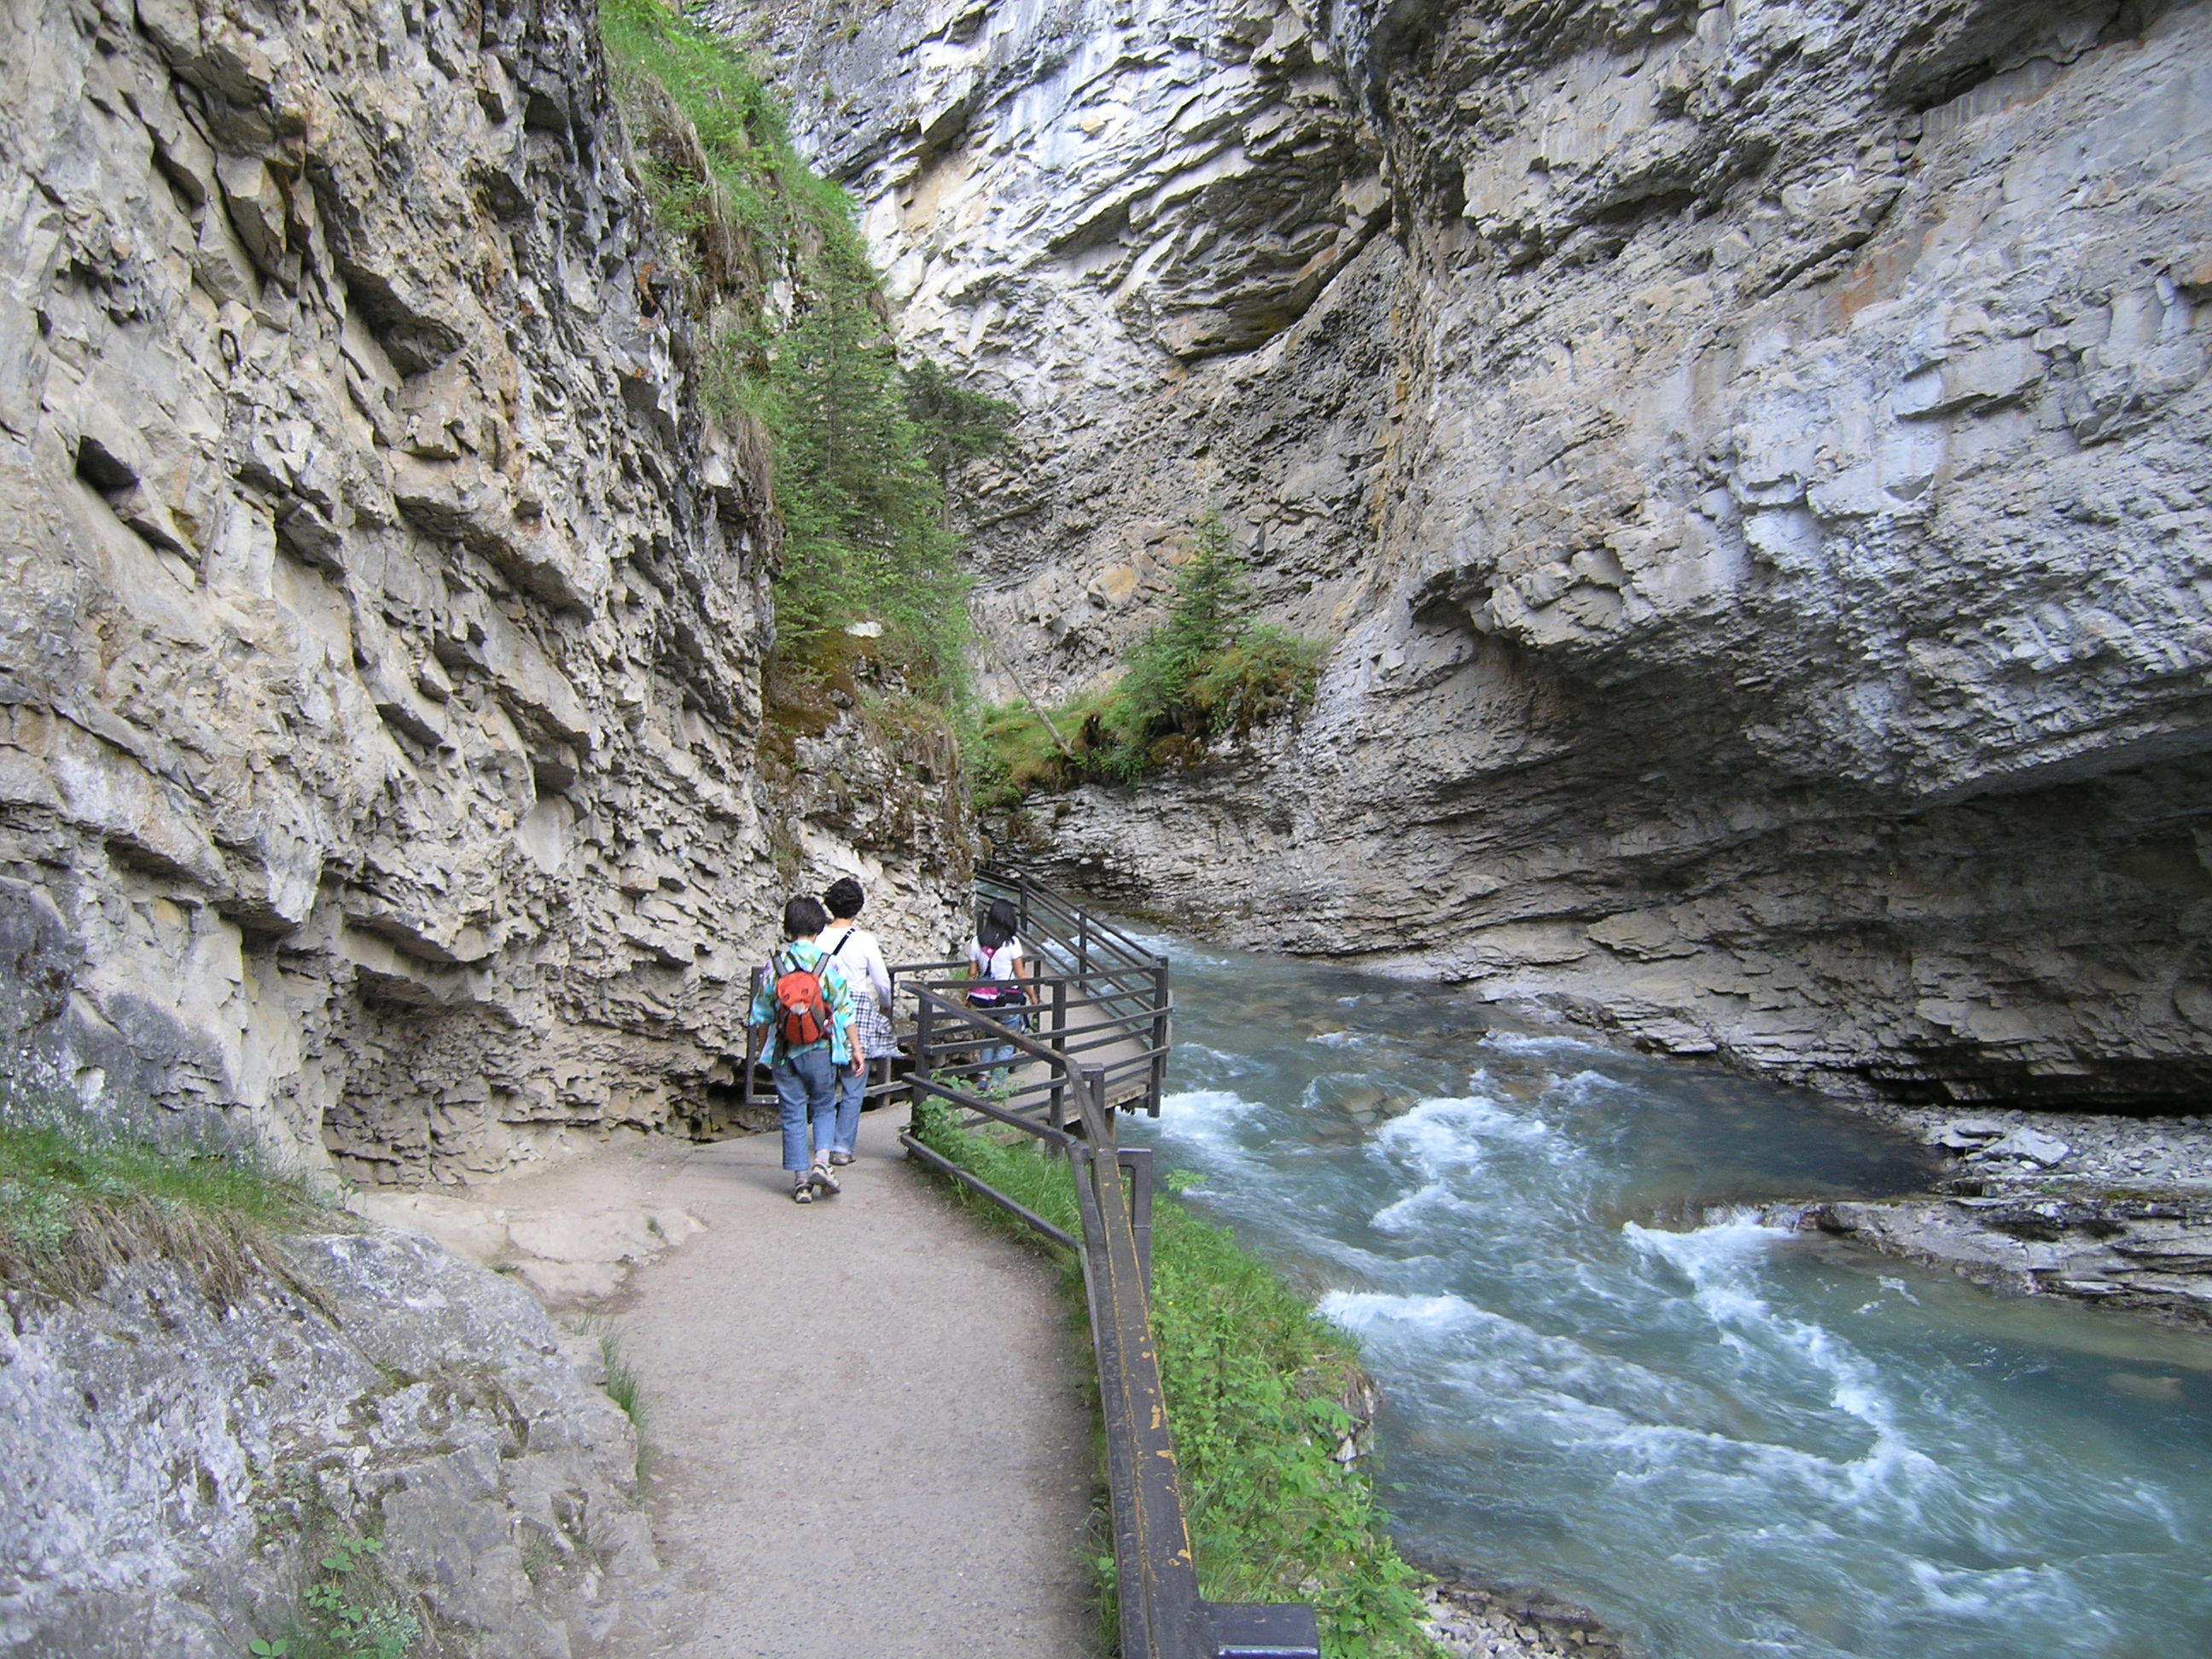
x=1258 y=1387
x=83 y=1191
x=620 y=1382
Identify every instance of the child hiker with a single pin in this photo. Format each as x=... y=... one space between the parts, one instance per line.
x=804 y=1008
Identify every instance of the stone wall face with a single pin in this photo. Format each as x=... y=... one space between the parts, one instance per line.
x=1756 y=488
x=179 y=1460
x=380 y=660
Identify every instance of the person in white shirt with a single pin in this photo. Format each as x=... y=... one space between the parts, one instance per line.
x=856 y=953
x=996 y=973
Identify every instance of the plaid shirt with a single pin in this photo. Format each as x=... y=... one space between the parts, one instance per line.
x=803 y=955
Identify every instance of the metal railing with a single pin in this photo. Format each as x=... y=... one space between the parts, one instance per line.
x=1100 y=1043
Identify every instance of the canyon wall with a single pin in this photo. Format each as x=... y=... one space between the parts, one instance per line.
x=381 y=655
x=1749 y=460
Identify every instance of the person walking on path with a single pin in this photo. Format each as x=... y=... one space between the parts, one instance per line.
x=996 y=970
x=861 y=960
x=803 y=1008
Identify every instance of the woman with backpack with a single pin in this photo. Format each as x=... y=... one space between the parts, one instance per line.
x=804 y=1009
x=861 y=959
x=996 y=972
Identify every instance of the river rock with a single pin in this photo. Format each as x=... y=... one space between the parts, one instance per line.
x=1747 y=462
x=2146 y=1252
x=2028 y=1144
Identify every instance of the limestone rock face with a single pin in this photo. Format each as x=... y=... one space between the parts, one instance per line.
x=1756 y=489
x=379 y=661
x=1103 y=213
x=177 y=1463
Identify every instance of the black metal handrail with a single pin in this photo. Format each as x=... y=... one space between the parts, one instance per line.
x=1162 y=1615
x=1098 y=954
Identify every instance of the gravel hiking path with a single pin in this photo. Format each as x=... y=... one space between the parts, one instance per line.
x=867 y=1418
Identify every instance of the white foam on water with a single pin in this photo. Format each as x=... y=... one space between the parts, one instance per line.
x=1537 y=1043
x=1720 y=1262
x=1211 y=1105
x=1582 y=1087
x=1207 y=1122
x=1448 y=1129
x=1339 y=1039
x=1218 y=1060
x=1363 y=1311
x=2000 y=1595
x=1418 y=1208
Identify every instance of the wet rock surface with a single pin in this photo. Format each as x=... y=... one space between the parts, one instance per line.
x=2115 y=1211
x=380 y=707
x=1754 y=485
x=176 y=1466
x=1473 y=1621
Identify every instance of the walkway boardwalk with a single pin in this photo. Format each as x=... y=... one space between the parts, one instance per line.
x=869 y=1416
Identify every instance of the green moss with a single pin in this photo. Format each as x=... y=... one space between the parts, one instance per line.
x=1257 y=1384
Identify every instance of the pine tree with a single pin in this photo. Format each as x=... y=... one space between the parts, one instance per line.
x=862 y=502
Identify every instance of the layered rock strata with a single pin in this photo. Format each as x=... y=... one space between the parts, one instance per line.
x=178 y=1460
x=2148 y=1252
x=1755 y=488
x=381 y=658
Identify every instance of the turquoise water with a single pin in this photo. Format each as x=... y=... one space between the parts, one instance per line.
x=1726 y=1439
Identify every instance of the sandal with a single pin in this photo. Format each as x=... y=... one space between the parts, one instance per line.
x=819 y=1176
x=841 y=1157
x=802 y=1190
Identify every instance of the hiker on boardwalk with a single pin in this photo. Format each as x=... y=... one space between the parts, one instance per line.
x=803 y=1008
x=996 y=973
x=861 y=960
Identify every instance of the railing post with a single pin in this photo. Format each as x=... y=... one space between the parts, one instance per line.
x=1138 y=1161
x=1083 y=943
x=922 y=1065
x=1095 y=1081
x=1158 y=1086
x=1060 y=1046
x=1022 y=888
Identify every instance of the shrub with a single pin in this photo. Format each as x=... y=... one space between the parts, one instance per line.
x=1206 y=670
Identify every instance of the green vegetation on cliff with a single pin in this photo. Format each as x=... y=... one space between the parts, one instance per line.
x=1206 y=670
x=796 y=346
x=1256 y=1387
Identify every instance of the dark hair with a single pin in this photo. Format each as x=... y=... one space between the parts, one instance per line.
x=844 y=899
x=804 y=917
x=998 y=925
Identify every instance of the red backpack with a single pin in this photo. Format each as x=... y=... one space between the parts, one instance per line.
x=802 y=1008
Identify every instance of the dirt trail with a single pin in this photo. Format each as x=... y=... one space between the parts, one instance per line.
x=868 y=1420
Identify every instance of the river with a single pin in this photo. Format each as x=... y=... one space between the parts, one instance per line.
x=1724 y=1438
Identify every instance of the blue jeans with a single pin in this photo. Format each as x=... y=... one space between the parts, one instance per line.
x=1001 y=1053
x=851 y=1085
x=807 y=1091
